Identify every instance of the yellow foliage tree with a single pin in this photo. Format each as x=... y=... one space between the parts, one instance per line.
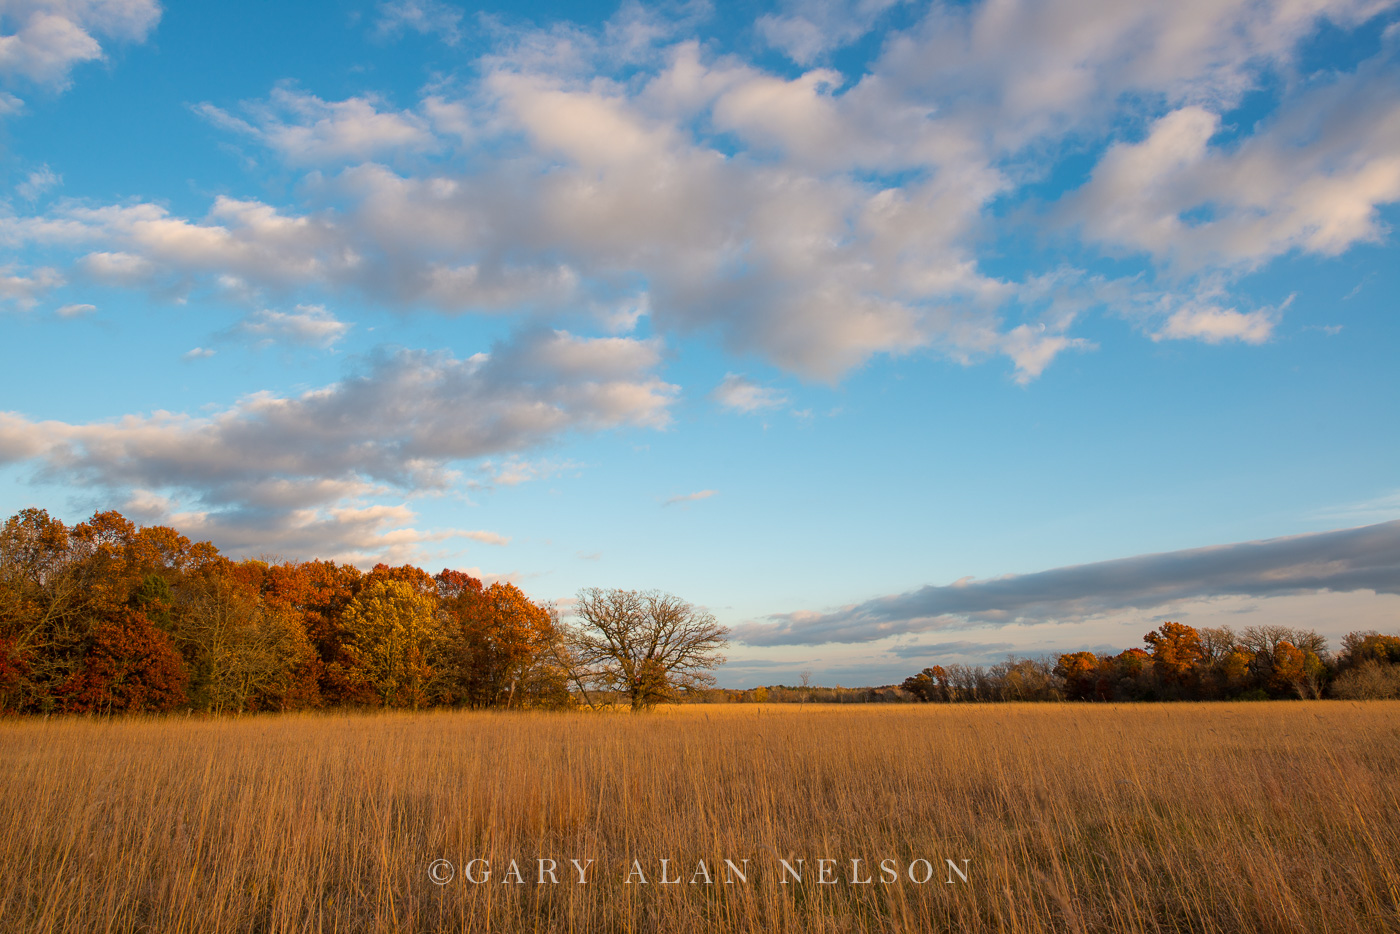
x=394 y=640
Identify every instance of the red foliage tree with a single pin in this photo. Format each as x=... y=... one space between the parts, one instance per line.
x=129 y=666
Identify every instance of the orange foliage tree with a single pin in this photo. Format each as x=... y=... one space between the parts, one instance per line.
x=499 y=646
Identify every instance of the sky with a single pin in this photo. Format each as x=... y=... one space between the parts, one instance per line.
x=890 y=333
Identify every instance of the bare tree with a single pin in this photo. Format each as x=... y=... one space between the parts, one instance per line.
x=646 y=645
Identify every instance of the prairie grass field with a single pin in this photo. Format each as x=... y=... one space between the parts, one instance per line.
x=1249 y=817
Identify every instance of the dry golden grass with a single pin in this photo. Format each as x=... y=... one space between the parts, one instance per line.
x=1227 y=817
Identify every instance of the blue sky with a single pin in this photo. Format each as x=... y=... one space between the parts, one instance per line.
x=886 y=331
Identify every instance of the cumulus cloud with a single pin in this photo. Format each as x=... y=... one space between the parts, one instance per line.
x=1313 y=178
x=1364 y=558
x=741 y=394
x=290 y=468
x=50 y=37
x=815 y=219
x=1031 y=68
x=24 y=289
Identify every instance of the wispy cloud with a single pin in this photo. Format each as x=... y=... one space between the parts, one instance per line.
x=690 y=497
x=309 y=325
x=427 y=17
x=486 y=538
x=741 y=394
x=38 y=182
x=306 y=130
x=1386 y=506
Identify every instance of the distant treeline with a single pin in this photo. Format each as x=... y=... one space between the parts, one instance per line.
x=1183 y=663
x=1178 y=663
x=106 y=617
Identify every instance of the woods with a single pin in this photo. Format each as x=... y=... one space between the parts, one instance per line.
x=1183 y=663
x=108 y=617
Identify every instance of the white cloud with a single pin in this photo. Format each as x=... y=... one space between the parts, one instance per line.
x=74 y=311
x=354 y=532
x=816 y=220
x=1312 y=179
x=38 y=182
x=306 y=130
x=25 y=289
x=1030 y=68
x=1032 y=347
x=197 y=353
x=52 y=36
x=310 y=325
x=741 y=394
x=428 y=17
x=1213 y=325
x=486 y=538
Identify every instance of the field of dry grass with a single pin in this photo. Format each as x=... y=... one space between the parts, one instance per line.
x=1228 y=817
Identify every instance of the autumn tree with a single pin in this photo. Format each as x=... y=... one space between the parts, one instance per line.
x=1176 y=652
x=318 y=593
x=1080 y=671
x=394 y=639
x=245 y=651
x=646 y=646
x=497 y=645
x=42 y=610
x=1286 y=661
x=1361 y=647
x=127 y=666
x=931 y=684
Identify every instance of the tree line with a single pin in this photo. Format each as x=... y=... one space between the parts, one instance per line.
x=1180 y=662
x=108 y=617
